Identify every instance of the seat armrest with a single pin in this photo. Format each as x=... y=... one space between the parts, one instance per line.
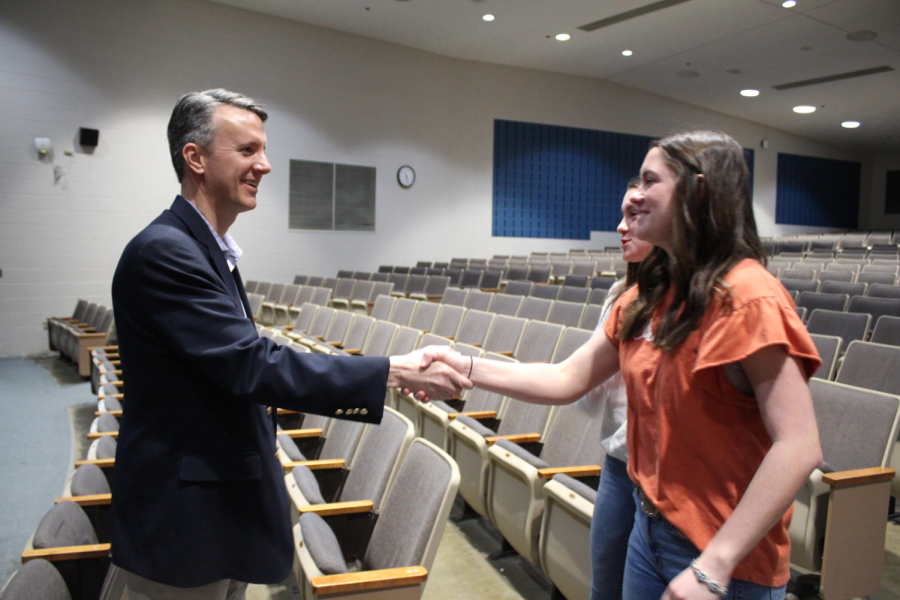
x=574 y=472
x=103 y=463
x=302 y=433
x=353 y=350
x=93 y=500
x=339 y=508
x=521 y=438
x=68 y=553
x=506 y=353
x=287 y=327
x=285 y=411
x=315 y=465
x=116 y=413
x=347 y=583
x=858 y=476
x=475 y=414
x=99 y=434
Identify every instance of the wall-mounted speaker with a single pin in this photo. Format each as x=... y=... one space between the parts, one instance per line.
x=88 y=137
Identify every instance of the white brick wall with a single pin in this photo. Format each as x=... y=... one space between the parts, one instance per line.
x=120 y=65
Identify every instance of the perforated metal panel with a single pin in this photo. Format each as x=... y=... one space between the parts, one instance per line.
x=354 y=198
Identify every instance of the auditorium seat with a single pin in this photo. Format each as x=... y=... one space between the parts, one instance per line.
x=875 y=306
x=478 y=300
x=506 y=304
x=424 y=316
x=454 y=296
x=402 y=311
x=840 y=287
x=591 y=316
x=382 y=307
x=847 y=326
x=566 y=313
x=848 y=494
x=503 y=334
x=403 y=541
x=435 y=287
x=37 y=578
x=448 y=320
x=547 y=292
x=887 y=331
x=818 y=300
x=474 y=328
x=534 y=308
x=828 y=347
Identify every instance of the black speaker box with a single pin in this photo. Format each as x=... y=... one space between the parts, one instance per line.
x=88 y=137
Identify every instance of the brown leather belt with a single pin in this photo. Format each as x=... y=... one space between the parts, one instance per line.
x=647 y=506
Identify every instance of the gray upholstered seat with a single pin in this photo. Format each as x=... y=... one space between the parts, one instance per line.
x=368 y=476
x=887 y=331
x=36 y=580
x=518 y=287
x=474 y=327
x=448 y=319
x=857 y=430
x=566 y=313
x=504 y=334
x=841 y=287
x=547 y=292
x=535 y=308
x=454 y=296
x=813 y=300
x=801 y=285
x=406 y=534
x=382 y=307
x=424 y=316
x=89 y=480
x=847 y=326
x=506 y=304
x=828 y=347
x=570 y=293
x=591 y=316
x=538 y=341
x=478 y=300
x=881 y=290
x=875 y=306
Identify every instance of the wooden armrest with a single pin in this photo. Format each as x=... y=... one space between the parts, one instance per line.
x=115 y=363
x=338 y=508
x=108 y=348
x=858 y=476
x=103 y=463
x=476 y=345
x=287 y=327
x=521 y=438
x=347 y=583
x=506 y=353
x=116 y=413
x=285 y=411
x=475 y=414
x=336 y=343
x=302 y=433
x=87 y=329
x=319 y=337
x=353 y=350
x=118 y=373
x=93 y=500
x=576 y=472
x=99 y=434
x=68 y=553
x=434 y=297
x=118 y=384
x=316 y=465
x=491 y=290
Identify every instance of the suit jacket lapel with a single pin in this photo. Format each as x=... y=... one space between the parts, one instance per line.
x=200 y=230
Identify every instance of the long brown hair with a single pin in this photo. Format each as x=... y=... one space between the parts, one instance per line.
x=713 y=230
x=631 y=271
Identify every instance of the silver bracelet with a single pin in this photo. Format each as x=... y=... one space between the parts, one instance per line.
x=714 y=586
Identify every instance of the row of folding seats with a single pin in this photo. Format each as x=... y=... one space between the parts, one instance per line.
x=90 y=325
x=848 y=272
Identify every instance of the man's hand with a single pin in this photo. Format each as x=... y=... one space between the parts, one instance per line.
x=426 y=373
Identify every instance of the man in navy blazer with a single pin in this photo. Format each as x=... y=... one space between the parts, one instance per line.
x=199 y=503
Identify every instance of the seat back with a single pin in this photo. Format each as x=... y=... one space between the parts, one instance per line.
x=304 y=295
x=436 y=285
x=828 y=347
x=881 y=290
x=380 y=288
x=415 y=510
x=378 y=457
x=535 y=308
x=573 y=437
x=342 y=440
x=382 y=308
x=447 y=322
x=872 y=367
x=547 y=292
x=857 y=427
x=321 y=296
x=842 y=287
x=406 y=339
x=415 y=284
x=801 y=285
x=380 y=338
x=847 y=326
x=566 y=313
x=320 y=322
x=490 y=279
x=887 y=331
x=362 y=290
x=478 y=300
x=402 y=311
x=424 y=316
x=89 y=480
x=504 y=333
x=338 y=326
x=518 y=288
x=471 y=278
x=572 y=339
x=875 y=306
x=538 y=341
x=569 y=293
x=474 y=327
x=506 y=304
x=36 y=579
x=358 y=332
x=479 y=399
x=307 y=312
x=66 y=524
x=813 y=300
x=454 y=296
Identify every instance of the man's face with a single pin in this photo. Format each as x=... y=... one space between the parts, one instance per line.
x=236 y=160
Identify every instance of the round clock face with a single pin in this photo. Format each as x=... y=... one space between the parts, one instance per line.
x=406 y=176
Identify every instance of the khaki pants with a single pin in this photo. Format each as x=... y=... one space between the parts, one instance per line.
x=144 y=589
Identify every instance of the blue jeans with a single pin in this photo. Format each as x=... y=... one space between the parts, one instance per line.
x=610 y=529
x=658 y=552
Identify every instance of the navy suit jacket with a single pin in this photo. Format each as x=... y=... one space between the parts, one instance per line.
x=198 y=494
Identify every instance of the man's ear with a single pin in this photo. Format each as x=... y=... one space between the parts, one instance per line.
x=194 y=158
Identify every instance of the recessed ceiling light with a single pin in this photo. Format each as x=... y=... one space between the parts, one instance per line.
x=789 y=3
x=750 y=93
x=627 y=52
x=804 y=109
x=850 y=124
x=488 y=17
x=563 y=36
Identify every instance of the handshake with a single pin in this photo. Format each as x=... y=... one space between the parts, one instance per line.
x=434 y=372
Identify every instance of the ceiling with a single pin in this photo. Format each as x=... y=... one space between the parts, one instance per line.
x=703 y=52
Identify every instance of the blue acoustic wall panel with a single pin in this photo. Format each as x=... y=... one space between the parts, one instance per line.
x=817 y=191
x=563 y=182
